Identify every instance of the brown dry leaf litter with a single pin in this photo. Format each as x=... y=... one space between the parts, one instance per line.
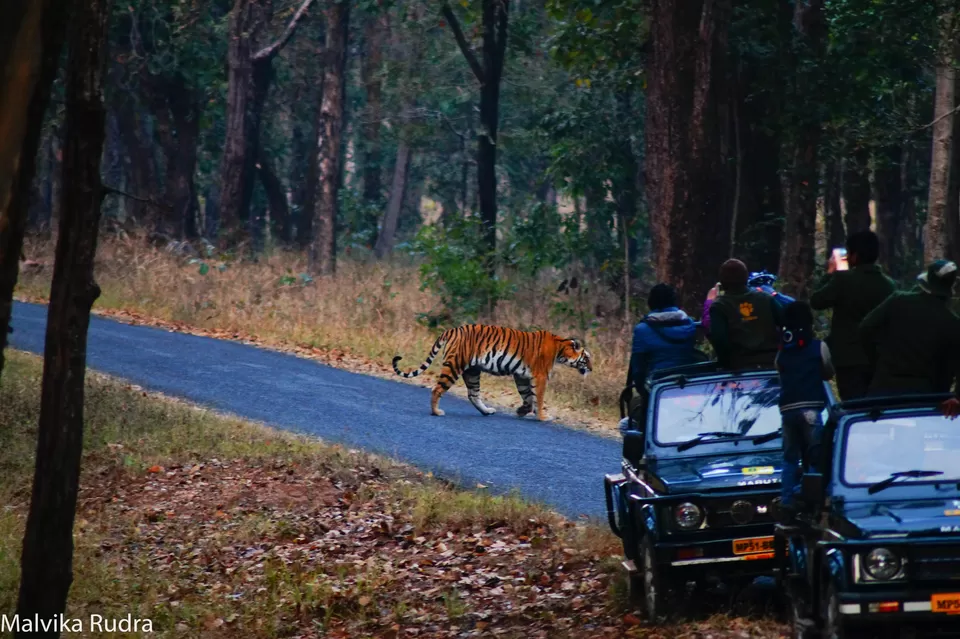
x=240 y=549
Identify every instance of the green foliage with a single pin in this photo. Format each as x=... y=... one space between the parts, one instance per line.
x=454 y=267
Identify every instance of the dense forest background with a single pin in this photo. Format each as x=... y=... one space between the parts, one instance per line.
x=616 y=142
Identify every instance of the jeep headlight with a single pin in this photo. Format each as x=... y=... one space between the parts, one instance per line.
x=688 y=516
x=882 y=564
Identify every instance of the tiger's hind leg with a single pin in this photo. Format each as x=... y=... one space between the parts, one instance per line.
x=525 y=388
x=448 y=377
x=471 y=377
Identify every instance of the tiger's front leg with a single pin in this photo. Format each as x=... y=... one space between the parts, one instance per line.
x=525 y=388
x=540 y=387
x=471 y=378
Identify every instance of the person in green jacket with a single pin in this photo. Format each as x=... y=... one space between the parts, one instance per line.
x=744 y=322
x=852 y=295
x=913 y=338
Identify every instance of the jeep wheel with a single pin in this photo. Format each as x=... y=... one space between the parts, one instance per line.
x=833 y=620
x=801 y=625
x=655 y=591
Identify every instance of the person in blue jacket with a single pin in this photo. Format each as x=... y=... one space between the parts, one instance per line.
x=666 y=337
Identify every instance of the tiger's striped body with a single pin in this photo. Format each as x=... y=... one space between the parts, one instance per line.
x=527 y=355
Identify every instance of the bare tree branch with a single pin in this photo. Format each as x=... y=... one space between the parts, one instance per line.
x=462 y=43
x=109 y=190
x=273 y=49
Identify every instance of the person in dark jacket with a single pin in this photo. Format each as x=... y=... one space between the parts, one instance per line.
x=744 y=322
x=803 y=363
x=852 y=294
x=665 y=337
x=913 y=339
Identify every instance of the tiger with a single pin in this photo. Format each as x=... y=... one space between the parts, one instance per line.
x=527 y=355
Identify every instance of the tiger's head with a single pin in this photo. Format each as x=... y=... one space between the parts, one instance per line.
x=573 y=354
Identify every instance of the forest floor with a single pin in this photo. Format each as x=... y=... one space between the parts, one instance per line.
x=357 y=320
x=210 y=526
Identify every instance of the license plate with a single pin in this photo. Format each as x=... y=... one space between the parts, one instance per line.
x=752 y=545
x=946 y=603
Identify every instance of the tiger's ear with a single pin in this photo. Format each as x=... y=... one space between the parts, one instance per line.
x=576 y=344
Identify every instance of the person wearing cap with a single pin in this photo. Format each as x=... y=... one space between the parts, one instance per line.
x=803 y=364
x=913 y=338
x=852 y=294
x=744 y=322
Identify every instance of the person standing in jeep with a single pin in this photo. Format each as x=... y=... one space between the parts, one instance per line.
x=666 y=337
x=744 y=322
x=913 y=338
x=852 y=294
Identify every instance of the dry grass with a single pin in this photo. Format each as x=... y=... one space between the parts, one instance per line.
x=368 y=309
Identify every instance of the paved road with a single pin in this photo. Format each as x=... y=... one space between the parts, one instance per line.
x=549 y=463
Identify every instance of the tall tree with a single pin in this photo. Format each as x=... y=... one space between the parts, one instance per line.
x=687 y=178
x=800 y=179
x=936 y=231
x=494 y=32
x=856 y=190
x=250 y=64
x=329 y=164
x=375 y=29
x=31 y=37
x=47 y=559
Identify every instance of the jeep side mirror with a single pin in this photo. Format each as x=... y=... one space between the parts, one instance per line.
x=811 y=488
x=633 y=446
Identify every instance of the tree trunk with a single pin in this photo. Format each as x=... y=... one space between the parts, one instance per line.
x=833 y=214
x=686 y=125
x=141 y=166
x=178 y=118
x=935 y=232
x=250 y=72
x=799 y=181
x=328 y=149
x=374 y=33
x=889 y=202
x=398 y=188
x=47 y=559
x=35 y=43
x=495 y=14
x=908 y=239
x=856 y=191
x=279 y=212
x=247 y=21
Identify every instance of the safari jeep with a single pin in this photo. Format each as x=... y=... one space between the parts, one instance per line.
x=700 y=482
x=878 y=552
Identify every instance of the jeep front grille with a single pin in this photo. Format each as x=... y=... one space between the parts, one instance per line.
x=935 y=563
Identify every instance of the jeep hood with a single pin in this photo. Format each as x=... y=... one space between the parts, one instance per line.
x=721 y=472
x=913 y=518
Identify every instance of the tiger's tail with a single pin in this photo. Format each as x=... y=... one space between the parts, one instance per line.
x=426 y=364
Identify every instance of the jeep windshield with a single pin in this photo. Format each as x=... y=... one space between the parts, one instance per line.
x=726 y=411
x=899 y=450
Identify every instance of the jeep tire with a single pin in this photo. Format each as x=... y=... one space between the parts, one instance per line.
x=654 y=591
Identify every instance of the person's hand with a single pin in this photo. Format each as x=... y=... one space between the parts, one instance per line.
x=951 y=408
x=713 y=292
x=832 y=264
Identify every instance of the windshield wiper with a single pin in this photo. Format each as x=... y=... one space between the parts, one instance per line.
x=889 y=481
x=767 y=437
x=704 y=437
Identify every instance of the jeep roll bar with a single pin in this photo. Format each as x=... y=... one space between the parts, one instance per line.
x=887 y=402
